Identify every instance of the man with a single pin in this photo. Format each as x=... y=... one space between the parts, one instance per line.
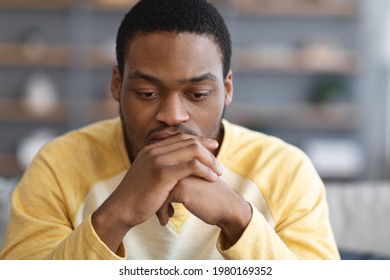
x=170 y=179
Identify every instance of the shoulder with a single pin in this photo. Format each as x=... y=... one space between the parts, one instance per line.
x=102 y=132
x=253 y=148
x=94 y=148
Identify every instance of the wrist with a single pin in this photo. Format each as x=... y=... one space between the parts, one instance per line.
x=235 y=224
x=108 y=228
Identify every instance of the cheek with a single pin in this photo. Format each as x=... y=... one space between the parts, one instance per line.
x=137 y=120
x=215 y=107
x=208 y=118
x=135 y=111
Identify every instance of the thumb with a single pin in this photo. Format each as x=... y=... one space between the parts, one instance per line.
x=209 y=143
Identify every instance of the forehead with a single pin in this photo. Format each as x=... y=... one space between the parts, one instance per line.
x=177 y=50
x=170 y=37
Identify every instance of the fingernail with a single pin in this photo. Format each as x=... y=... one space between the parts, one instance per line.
x=212 y=141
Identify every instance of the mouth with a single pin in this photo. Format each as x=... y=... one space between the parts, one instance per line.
x=159 y=136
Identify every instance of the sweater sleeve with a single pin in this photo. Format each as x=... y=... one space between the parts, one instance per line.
x=82 y=244
x=41 y=225
x=301 y=217
x=258 y=241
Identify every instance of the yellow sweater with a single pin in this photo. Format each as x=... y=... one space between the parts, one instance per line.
x=72 y=175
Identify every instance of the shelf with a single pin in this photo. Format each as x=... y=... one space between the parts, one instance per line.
x=305 y=9
x=30 y=4
x=33 y=55
x=53 y=56
x=290 y=70
x=301 y=116
x=275 y=61
x=99 y=57
x=9 y=166
x=104 y=5
x=16 y=111
x=113 y=5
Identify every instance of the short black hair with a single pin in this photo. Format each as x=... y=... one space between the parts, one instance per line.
x=179 y=16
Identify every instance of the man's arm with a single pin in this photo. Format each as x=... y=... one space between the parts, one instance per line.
x=41 y=225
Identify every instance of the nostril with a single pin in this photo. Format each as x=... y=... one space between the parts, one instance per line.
x=172 y=112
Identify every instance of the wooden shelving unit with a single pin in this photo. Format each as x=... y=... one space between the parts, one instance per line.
x=250 y=63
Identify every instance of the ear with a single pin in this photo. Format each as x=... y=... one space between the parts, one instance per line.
x=229 y=88
x=116 y=83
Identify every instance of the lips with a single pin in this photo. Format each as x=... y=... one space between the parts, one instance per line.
x=161 y=135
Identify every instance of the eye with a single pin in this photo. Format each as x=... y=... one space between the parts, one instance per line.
x=146 y=94
x=198 y=96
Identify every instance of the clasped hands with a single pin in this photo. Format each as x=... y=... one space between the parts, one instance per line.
x=179 y=169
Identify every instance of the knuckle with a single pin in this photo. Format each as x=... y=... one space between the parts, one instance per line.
x=190 y=141
x=180 y=192
x=183 y=136
x=195 y=166
x=195 y=147
x=149 y=151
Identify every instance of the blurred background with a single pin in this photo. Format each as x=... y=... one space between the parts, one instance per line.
x=313 y=72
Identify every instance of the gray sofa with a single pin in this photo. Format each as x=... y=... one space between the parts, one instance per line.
x=6 y=188
x=360 y=217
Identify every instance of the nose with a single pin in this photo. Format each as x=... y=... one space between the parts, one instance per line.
x=172 y=110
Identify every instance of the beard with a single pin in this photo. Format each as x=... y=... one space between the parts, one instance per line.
x=132 y=140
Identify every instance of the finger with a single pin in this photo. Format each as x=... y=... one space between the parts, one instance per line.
x=208 y=143
x=184 y=153
x=192 y=167
x=165 y=212
x=166 y=146
x=180 y=148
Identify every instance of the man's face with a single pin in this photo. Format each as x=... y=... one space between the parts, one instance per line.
x=171 y=83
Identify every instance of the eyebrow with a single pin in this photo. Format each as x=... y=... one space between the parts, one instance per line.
x=143 y=76
x=196 y=79
x=200 y=78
